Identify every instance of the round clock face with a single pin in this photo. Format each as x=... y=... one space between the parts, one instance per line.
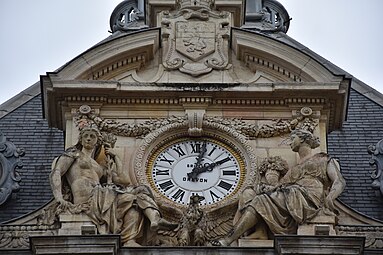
x=203 y=167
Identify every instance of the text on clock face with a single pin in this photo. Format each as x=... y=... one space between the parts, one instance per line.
x=198 y=167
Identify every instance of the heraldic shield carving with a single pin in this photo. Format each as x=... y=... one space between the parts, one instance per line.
x=195 y=38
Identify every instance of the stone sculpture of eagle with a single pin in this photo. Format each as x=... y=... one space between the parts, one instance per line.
x=196 y=226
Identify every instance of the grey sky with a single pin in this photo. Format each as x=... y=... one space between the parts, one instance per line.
x=39 y=36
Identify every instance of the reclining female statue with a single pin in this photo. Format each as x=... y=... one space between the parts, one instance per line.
x=306 y=189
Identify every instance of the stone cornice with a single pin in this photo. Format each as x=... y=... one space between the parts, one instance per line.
x=61 y=93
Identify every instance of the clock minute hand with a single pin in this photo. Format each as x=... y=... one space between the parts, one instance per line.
x=207 y=168
x=210 y=167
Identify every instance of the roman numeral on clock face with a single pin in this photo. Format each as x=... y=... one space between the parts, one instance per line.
x=179 y=151
x=225 y=185
x=164 y=159
x=179 y=195
x=196 y=147
x=228 y=172
x=162 y=172
x=214 y=166
x=214 y=196
x=211 y=152
x=165 y=186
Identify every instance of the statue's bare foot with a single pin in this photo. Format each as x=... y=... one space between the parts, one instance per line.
x=220 y=242
x=131 y=243
x=162 y=224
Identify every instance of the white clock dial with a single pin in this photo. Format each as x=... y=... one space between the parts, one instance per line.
x=205 y=167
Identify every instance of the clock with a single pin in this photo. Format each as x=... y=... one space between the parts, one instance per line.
x=205 y=166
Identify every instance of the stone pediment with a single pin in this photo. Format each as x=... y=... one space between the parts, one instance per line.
x=253 y=58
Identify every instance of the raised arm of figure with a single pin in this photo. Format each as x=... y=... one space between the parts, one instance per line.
x=119 y=176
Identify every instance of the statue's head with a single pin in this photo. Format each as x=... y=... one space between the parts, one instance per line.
x=89 y=137
x=300 y=136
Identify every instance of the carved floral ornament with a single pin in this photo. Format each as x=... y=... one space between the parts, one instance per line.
x=9 y=163
x=376 y=152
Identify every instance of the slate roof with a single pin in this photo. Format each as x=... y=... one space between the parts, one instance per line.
x=24 y=126
x=362 y=128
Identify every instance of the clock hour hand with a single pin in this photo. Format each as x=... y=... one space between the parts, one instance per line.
x=193 y=174
x=200 y=156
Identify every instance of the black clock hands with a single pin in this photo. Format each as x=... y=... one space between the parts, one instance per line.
x=193 y=174
x=206 y=168
x=210 y=167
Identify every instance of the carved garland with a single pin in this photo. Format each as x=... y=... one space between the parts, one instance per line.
x=86 y=116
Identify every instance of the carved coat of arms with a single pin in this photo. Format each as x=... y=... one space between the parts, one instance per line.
x=195 y=39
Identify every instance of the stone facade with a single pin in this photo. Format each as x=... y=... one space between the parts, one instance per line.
x=161 y=113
